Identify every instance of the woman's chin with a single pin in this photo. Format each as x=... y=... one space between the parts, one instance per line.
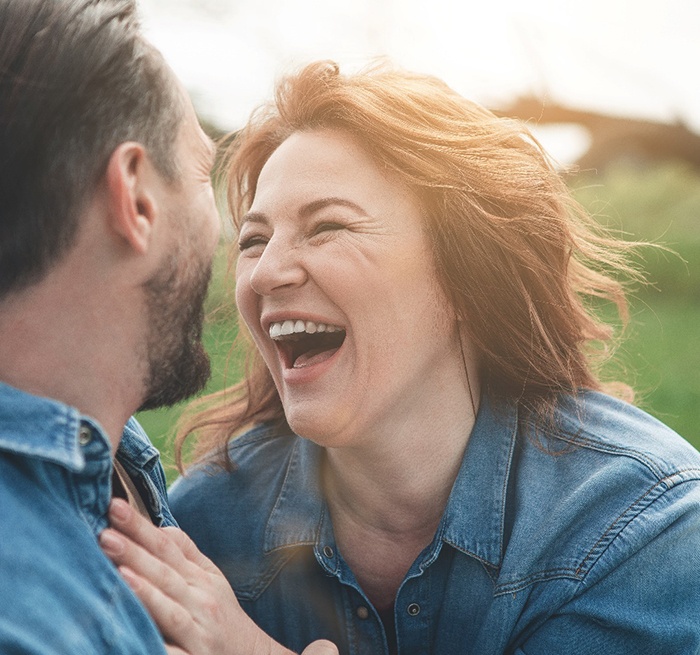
x=322 y=429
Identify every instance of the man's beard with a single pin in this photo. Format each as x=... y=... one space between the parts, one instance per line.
x=178 y=365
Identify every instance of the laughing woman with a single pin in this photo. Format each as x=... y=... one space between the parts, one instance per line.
x=425 y=460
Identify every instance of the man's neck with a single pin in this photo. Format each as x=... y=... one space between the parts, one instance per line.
x=71 y=347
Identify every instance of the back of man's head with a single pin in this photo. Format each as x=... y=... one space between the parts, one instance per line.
x=76 y=79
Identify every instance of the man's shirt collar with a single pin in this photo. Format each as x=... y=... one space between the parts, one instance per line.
x=43 y=428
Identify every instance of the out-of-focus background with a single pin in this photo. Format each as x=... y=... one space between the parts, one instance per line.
x=610 y=88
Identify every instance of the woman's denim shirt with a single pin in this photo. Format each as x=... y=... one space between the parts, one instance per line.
x=58 y=591
x=584 y=539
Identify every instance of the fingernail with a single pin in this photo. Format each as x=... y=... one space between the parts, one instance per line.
x=119 y=510
x=112 y=543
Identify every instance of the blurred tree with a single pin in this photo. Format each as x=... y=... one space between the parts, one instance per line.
x=614 y=138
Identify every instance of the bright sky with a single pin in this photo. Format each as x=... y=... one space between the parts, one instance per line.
x=629 y=57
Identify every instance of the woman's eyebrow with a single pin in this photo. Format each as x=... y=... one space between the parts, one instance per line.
x=306 y=210
x=254 y=217
x=316 y=205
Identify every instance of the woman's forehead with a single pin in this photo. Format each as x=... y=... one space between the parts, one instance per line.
x=320 y=161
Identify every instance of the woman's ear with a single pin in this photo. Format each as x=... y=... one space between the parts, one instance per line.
x=130 y=179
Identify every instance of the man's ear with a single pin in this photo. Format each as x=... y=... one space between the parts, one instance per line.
x=132 y=205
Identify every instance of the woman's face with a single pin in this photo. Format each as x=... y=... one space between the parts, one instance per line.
x=336 y=283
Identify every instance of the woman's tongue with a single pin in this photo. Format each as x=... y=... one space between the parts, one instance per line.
x=313 y=356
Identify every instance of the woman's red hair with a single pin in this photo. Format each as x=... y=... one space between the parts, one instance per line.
x=519 y=260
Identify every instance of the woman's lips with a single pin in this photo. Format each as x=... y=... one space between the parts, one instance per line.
x=303 y=344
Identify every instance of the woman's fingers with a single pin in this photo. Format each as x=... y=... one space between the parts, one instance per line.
x=173 y=620
x=142 y=566
x=198 y=619
x=154 y=564
x=168 y=545
x=188 y=597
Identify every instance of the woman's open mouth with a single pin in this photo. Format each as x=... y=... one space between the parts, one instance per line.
x=305 y=343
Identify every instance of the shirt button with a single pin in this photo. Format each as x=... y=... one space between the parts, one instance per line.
x=362 y=612
x=84 y=435
x=413 y=609
x=328 y=552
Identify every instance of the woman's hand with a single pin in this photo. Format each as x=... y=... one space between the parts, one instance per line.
x=188 y=597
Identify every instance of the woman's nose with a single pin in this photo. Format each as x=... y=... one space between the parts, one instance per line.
x=279 y=267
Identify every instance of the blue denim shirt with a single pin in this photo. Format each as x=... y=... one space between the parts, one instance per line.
x=58 y=592
x=584 y=539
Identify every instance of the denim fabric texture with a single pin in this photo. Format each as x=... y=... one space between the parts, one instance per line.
x=58 y=592
x=581 y=539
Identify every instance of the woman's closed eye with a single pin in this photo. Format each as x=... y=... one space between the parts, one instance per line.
x=249 y=242
x=327 y=226
x=252 y=243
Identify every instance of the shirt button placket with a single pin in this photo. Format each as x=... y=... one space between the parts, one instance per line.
x=413 y=618
x=92 y=484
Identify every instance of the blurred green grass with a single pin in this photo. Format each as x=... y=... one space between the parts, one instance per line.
x=660 y=353
x=219 y=334
x=659 y=204
x=660 y=358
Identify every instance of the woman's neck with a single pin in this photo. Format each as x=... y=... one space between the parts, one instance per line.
x=386 y=501
x=387 y=487
x=398 y=482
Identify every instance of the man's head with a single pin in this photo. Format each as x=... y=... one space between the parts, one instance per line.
x=76 y=79
x=102 y=158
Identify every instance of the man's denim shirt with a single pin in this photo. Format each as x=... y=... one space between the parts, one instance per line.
x=58 y=592
x=584 y=540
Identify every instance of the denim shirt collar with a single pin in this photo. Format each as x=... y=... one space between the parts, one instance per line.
x=141 y=460
x=474 y=518
x=43 y=428
x=297 y=515
x=135 y=450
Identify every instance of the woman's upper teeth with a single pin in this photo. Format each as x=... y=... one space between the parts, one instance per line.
x=284 y=328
